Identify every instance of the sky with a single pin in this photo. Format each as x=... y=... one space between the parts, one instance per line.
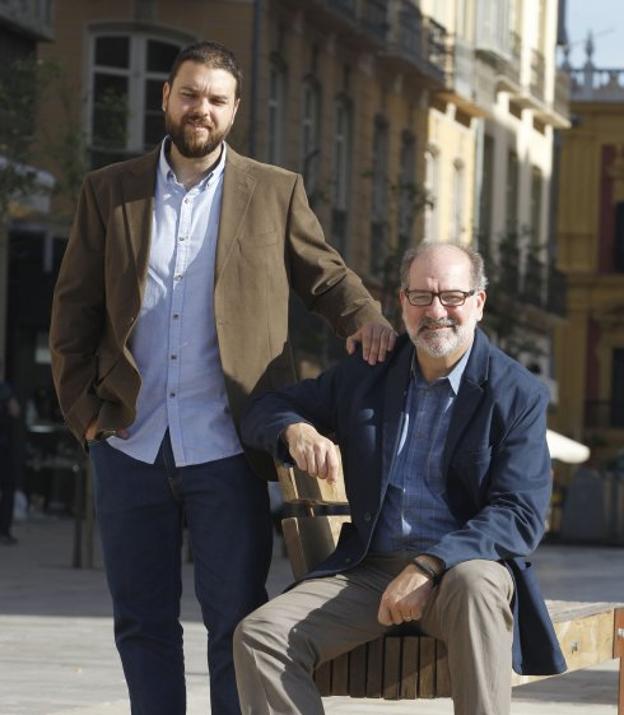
x=606 y=19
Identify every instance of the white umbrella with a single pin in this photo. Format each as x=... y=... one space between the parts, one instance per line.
x=566 y=449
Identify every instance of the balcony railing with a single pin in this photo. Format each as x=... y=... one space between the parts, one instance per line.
x=345 y=7
x=31 y=16
x=374 y=18
x=417 y=39
x=605 y=414
x=408 y=31
x=538 y=66
x=597 y=84
x=436 y=44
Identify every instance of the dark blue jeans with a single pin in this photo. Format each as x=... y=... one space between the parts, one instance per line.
x=140 y=509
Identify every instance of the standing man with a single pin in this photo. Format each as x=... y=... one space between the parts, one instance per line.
x=447 y=474
x=171 y=307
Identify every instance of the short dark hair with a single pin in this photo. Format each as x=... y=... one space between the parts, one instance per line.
x=477 y=269
x=213 y=55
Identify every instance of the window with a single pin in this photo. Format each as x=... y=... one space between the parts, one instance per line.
x=431 y=184
x=485 y=199
x=379 y=203
x=617 y=389
x=407 y=190
x=128 y=72
x=511 y=199
x=536 y=207
x=458 y=200
x=493 y=26
x=341 y=171
x=311 y=136
x=619 y=237
x=277 y=110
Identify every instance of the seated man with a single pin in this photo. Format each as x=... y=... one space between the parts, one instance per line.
x=448 y=478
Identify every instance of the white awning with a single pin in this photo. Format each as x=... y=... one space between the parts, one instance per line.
x=566 y=449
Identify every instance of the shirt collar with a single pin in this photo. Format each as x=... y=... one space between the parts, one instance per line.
x=168 y=175
x=455 y=375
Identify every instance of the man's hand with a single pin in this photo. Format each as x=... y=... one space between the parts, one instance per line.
x=405 y=597
x=313 y=453
x=376 y=338
x=91 y=432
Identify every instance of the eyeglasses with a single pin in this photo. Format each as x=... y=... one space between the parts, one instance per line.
x=448 y=298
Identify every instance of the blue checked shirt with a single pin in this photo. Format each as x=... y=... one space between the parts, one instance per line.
x=415 y=512
x=175 y=339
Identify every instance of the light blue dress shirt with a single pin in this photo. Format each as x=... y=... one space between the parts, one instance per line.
x=415 y=512
x=175 y=341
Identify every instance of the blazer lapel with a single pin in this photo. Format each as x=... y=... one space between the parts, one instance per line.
x=238 y=187
x=469 y=396
x=394 y=401
x=138 y=188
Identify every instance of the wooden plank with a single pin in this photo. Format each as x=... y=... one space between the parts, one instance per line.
x=392 y=668
x=310 y=540
x=618 y=652
x=443 y=678
x=571 y=610
x=357 y=672
x=340 y=675
x=299 y=487
x=409 y=668
x=584 y=642
x=322 y=678
x=426 y=669
x=374 y=668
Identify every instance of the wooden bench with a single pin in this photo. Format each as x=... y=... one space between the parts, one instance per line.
x=411 y=666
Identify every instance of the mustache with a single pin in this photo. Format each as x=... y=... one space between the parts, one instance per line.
x=430 y=323
x=198 y=121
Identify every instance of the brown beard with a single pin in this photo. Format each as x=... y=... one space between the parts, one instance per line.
x=192 y=148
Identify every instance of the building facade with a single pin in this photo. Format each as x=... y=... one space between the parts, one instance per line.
x=591 y=251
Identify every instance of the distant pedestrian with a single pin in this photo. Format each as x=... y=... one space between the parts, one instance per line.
x=9 y=412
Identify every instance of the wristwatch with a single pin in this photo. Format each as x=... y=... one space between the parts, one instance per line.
x=429 y=571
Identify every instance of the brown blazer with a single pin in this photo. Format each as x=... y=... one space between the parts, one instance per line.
x=269 y=242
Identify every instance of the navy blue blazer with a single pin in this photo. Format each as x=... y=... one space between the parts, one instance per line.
x=495 y=460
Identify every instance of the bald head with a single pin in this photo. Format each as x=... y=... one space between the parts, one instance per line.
x=451 y=251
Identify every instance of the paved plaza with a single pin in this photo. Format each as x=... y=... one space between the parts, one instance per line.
x=57 y=655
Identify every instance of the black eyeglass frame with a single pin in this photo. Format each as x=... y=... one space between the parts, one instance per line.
x=432 y=294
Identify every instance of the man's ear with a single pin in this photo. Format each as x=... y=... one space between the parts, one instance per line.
x=165 y=95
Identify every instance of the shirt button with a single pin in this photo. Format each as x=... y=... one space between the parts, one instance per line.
x=176 y=316
x=178 y=277
x=348 y=560
x=172 y=394
x=182 y=238
x=367 y=516
x=174 y=357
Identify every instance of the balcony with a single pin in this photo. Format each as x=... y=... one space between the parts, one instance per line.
x=593 y=84
x=538 y=66
x=417 y=42
x=374 y=18
x=604 y=414
x=29 y=17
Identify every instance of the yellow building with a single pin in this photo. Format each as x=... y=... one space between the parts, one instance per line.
x=591 y=252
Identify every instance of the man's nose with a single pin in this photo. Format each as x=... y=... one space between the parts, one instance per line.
x=436 y=309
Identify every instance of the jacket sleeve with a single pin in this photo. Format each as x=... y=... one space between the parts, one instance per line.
x=78 y=311
x=511 y=523
x=319 y=275
x=312 y=401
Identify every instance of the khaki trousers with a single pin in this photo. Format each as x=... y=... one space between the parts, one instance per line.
x=278 y=646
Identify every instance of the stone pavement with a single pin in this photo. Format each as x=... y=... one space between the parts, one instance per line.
x=57 y=655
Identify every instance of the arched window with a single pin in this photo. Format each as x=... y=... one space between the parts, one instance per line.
x=127 y=71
